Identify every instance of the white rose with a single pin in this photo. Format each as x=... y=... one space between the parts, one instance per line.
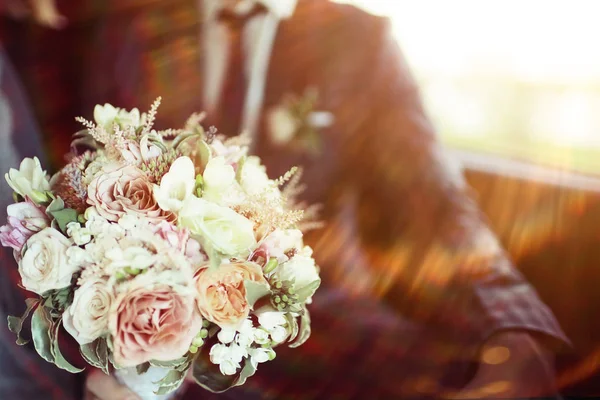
x=29 y=180
x=220 y=227
x=86 y=319
x=219 y=183
x=176 y=186
x=280 y=241
x=302 y=270
x=45 y=265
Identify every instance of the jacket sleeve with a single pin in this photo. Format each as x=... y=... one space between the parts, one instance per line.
x=431 y=252
x=23 y=373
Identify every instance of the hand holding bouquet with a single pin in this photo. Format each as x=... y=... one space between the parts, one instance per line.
x=160 y=253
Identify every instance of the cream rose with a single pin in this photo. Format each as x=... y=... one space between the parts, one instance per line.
x=155 y=322
x=219 y=227
x=125 y=190
x=222 y=293
x=29 y=180
x=86 y=319
x=45 y=265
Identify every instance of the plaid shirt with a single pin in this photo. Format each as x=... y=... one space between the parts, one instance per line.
x=403 y=242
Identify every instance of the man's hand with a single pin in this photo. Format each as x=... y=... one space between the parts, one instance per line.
x=512 y=365
x=99 y=386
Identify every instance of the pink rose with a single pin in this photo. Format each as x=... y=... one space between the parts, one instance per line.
x=222 y=294
x=152 y=323
x=125 y=190
x=24 y=220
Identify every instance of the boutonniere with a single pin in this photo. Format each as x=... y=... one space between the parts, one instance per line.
x=296 y=122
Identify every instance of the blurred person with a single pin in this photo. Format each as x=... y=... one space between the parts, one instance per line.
x=418 y=297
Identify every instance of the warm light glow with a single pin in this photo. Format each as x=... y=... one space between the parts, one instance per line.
x=519 y=73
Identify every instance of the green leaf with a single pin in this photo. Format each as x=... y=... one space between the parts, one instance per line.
x=56 y=205
x=41 y=325
x=256 y=291
x=170 y=382
x=247 y=371
x=308 y=290
x=142 y=368
x=88 y=352
x=304 y=330
x=103 y=355
x=64 y=217
x=59 y=359
x=15 y=324
x=169 y=364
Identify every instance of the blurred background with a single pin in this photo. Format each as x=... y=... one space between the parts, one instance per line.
x=513 y=87
x=520 y=79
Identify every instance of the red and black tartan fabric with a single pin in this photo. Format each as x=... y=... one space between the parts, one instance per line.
x=414 y=281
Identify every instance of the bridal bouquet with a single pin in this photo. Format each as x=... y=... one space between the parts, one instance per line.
x=164 y=254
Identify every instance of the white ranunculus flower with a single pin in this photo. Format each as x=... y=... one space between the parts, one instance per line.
x=29 y=180
x=45 y=265
x=301 y=269
x=176 y=186
x=219 y=183
x=220 y=227
x=86 y=319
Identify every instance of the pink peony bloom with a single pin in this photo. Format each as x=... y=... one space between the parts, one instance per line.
x=125 y=190
x=222 y=294
x=152 y=323
x=24 y=220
